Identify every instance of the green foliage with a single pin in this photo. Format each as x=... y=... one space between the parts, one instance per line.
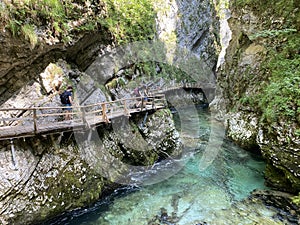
x=127 y=20
x=24 y=16
x=14 y=27
x=296 y=200
x=29 y=33
x=271 y=33
x=130 y=20
x=278 y=93
x=54 y=15
x=249 y=100
x=280 y=97
x=173 y=73
x=281 y=9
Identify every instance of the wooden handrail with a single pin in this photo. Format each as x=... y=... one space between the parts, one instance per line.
x=81 y=111
x=33 y=120
x=73 y=106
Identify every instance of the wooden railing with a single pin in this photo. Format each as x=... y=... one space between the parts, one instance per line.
x=45 y=119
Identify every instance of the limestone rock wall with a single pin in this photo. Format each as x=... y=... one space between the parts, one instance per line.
x=48 y=175
x=255 y=35
x=42 y=179
x=20 y=64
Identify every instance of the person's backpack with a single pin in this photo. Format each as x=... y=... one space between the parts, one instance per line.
x=64 y=98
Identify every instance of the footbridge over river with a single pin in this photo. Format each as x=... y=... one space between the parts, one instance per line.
x=49 y=120
x=28 y=122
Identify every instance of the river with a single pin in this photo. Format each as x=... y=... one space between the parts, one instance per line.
x=217 y=194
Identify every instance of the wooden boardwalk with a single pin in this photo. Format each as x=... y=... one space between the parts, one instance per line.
x=49 y=120
x=185 y=86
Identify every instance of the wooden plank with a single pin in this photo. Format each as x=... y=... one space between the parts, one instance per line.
x=116 y=109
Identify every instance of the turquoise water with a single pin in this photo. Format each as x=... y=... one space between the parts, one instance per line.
x=217 y=194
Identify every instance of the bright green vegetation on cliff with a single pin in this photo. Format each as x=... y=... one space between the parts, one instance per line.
x=126 y=20
x=283 y=10
x=130 y=20
x=280 y=96
x=296 y=200
x=52 y=17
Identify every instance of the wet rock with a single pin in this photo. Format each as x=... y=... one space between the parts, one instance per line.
x=281 y=200
x=243 y=128
x=164 y=217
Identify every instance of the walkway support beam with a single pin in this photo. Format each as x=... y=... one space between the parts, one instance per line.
x=35 y=121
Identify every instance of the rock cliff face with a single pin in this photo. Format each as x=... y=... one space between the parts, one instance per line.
x=20 y=64
x=193 y=26
x=34 y=34
x=259 y=114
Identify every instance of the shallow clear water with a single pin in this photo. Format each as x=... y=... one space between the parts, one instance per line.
x=214 y=195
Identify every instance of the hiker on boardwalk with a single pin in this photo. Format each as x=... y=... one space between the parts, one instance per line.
x=67 y=101
x=145 y=97
x=137 y=94
x=146 y=94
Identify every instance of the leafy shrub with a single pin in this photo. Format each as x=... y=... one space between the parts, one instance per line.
x=280 y=97
x=271 y=33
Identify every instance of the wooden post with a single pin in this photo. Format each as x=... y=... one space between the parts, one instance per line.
x=142 y=105
x=127 y=113
x=84 y=118
x=34 y=121
x=104 y=115
x=153 y=103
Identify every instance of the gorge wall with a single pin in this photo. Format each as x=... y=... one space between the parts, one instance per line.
x=259 y=85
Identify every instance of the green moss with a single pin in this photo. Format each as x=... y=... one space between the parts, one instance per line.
x=71 y=190
x=296 y=200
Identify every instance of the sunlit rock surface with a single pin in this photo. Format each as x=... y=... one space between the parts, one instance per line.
x=240 y=78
